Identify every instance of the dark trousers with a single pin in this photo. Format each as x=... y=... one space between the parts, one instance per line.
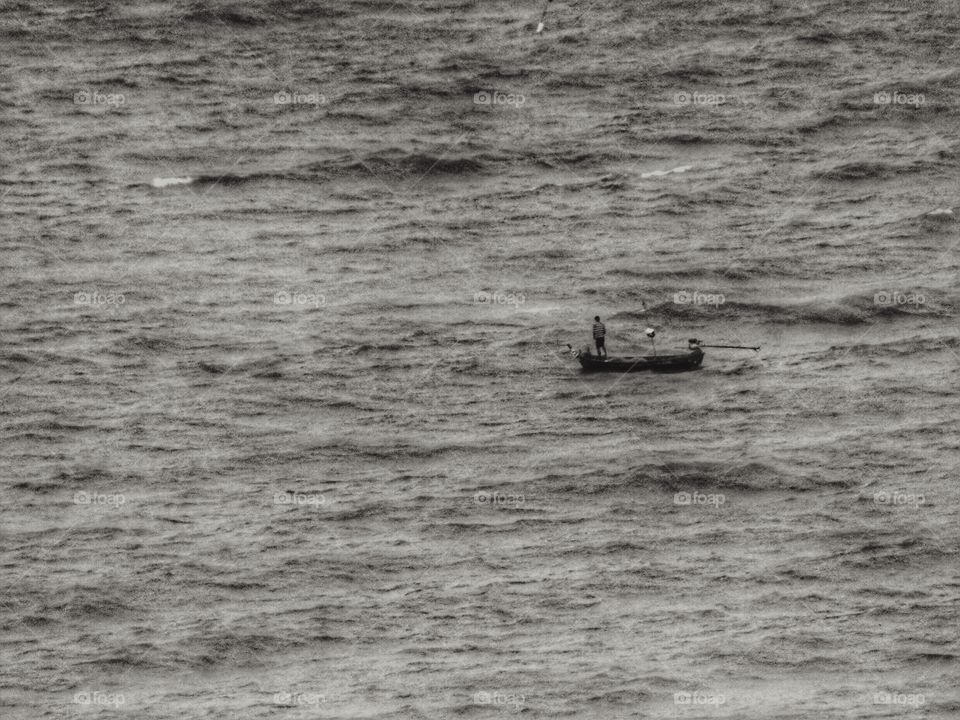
x=600 y=346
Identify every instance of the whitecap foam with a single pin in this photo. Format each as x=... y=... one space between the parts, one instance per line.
x=661 y=173
x=164 y=182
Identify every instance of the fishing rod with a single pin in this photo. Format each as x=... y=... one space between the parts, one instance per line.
x=694 y=341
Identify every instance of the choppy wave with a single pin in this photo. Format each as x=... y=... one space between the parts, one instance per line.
x=390 y=164
x=401 y=163
x=875 y=170
x=383 y=497
x=884 y=303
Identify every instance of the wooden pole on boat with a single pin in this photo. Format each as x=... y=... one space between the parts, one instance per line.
x=543 y=16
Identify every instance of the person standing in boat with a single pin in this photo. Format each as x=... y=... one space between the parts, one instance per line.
x=599 y=335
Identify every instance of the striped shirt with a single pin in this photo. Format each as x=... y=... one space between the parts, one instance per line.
x=599 y=330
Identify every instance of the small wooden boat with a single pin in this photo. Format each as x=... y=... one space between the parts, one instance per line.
x=673 y=362
x=677 y=362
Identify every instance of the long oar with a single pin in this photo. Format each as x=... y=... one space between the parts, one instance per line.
x=694 y=341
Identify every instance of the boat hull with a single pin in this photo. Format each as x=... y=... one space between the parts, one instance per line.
x=680 y=362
